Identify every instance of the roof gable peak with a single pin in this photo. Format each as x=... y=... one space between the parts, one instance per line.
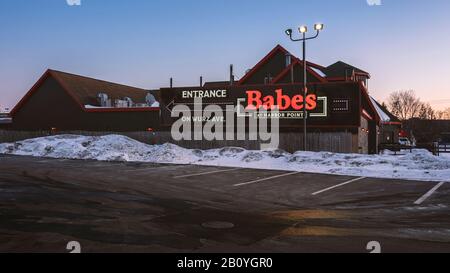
x=275 y=50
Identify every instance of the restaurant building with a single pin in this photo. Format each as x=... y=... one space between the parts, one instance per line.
x=342 y=116
x=61 y=101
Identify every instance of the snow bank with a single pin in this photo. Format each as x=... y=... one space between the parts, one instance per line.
x=418 y=165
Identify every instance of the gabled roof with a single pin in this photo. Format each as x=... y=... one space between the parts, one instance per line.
x=383 y=113
x=295 y=61
x=84 y=91
x=341 y=69
x=252 y=71
x=383 y=116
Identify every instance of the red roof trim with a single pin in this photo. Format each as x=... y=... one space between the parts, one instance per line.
x=30 y=92
x=366 y=95
x=367 y=115
x=135 y=109
x=261 y=85
x=392 y=123
x=362 y=74
x=288 y=69
x=337 y=79
x=64 y=86
x=284 y=72
x=277 y=78
x=48 y=73
x=311 y=64
x=262 y=62
x=315 y=65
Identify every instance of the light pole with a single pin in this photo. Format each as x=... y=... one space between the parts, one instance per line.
x=303 y=30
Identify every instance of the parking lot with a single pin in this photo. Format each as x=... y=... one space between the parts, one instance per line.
x=140 y=207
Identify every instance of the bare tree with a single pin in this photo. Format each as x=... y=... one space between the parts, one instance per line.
x=426 y=111
x=404 y=104
x=445 y=114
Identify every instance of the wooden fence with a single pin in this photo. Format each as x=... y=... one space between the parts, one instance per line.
x=443 y=148
x=339 y=142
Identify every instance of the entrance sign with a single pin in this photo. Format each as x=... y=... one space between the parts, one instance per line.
x=203 y=94
x=323 y=109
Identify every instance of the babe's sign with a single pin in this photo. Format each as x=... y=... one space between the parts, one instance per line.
x=255 y=100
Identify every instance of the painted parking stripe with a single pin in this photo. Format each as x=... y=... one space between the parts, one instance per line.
x=155 y=168
x=339 y=185
x=265 y=179
x=428 y=194
x=206 y=173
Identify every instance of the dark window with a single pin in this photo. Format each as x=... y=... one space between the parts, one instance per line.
x=268 y=80
x=340 y=105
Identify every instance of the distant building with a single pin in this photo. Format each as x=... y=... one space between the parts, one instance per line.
x=427 y=131
x=62 y=101
x=5 y=120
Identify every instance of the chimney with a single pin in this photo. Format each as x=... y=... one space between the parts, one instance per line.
x=288 y=59
x=171 y=82
x=201 y=81
x=231 y=75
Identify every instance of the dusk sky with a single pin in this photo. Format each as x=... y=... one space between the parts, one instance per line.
x=404 y=44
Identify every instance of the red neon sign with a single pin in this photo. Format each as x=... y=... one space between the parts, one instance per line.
x=255 y=100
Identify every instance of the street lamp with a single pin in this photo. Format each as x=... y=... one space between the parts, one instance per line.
x=303 y=30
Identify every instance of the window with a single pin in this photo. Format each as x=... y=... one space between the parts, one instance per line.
x=268 y=80
x=340 y=105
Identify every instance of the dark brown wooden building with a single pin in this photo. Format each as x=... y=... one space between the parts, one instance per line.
x=343 y=116
x=66 y=102
x=346 y=115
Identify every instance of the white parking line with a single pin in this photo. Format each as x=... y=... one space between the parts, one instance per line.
x=153 y=169
x=339 y=185
x=205 y=173
x=265 y=179
x=428 y=194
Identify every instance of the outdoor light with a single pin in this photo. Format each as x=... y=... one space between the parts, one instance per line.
x=288 y=32
x=303 y=29
x=318 y=27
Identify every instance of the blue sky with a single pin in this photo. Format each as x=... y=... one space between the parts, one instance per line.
x=404 y=44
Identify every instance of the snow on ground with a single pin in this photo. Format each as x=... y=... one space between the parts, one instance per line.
x=418 y=165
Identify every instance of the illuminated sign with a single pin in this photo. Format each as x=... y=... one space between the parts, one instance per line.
x=203 y=94
x=290 y=107
x=255 y=101
x=326 y=104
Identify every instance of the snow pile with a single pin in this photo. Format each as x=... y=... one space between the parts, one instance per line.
x=103 y=148
x=418 y=165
